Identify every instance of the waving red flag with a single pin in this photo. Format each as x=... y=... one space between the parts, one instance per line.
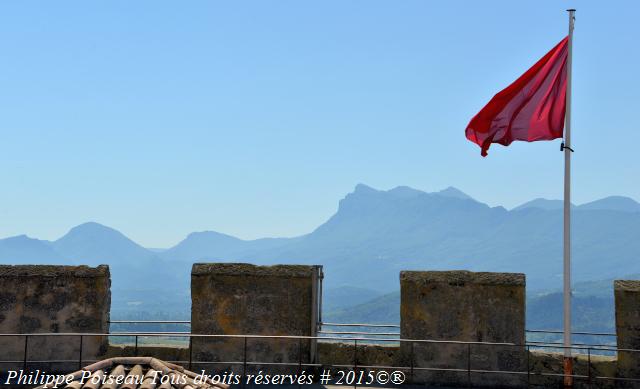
x=530 y=109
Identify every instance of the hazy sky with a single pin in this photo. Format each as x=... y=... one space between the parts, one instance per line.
x=254 y=118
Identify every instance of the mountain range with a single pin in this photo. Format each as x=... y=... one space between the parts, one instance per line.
x=373 y=235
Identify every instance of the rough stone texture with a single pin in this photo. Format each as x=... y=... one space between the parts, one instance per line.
x=234 y=299
x=334 y=353
x=464 y=306
x=53 y=299
x=551 y=364
x=342 y=353
x=627 y=297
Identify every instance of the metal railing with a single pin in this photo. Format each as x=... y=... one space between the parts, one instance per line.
x=166 y=334
x=150 y=322
x=360 y=325
x=370 y=332
x=373 y=332
x=304 y=360
x=559 y=332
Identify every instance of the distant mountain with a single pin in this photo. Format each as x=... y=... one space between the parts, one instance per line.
x=24 y=250
x=373 y=235
x=200 y=245
x=383 y=309
x=613 y=203
x=549 y=205
x=346 y=296
x=399 y=191
x=94 y=243
x=211 y=245
x=388 y=231
x=455 y=193
x=132 y=266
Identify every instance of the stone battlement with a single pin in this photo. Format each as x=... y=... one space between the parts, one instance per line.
x=462 y=277
x=53 y=299
x=241 y=298
x=31 y=271
x=250 y=270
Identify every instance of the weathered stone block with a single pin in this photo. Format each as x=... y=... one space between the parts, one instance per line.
x=367 y=357
x=627 y=301
x=547 y=370
x=469 y=307
x=238 y=299
x=53 y=299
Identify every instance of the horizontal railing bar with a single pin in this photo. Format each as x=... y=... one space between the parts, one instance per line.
x=252 y=336
x=187 y=335
x=573 y=333
x=536 y=343
x=359 y=333
x=355 y=325
x=360 y=325
x=149 y=321
x=149 y=333
x=398 y=326
x=180 y=334
x=616 y=378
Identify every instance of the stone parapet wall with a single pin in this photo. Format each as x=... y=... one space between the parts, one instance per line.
x=342 y=353
x=627 y=301
x=236 y=298
x=469 y=307
x=53 y=299
x=444 y=307
x=551 y=364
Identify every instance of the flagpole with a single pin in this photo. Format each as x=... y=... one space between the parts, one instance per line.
x=568 y=363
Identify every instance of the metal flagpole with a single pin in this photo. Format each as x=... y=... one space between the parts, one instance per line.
x=568 y=365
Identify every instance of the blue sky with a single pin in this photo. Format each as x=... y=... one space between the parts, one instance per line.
x=254 y=118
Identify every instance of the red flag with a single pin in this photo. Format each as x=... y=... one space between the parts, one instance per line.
x=530 y=109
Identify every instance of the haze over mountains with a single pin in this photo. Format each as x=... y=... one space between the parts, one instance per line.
x=373 y=235
x=611 y=203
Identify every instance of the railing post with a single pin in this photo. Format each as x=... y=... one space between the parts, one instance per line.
x=136 y=347
x=244 y=361
x=589 y=366
x=26 y=346
x=412 y=362
x=80 y=356
x=469 y=365
x=299 y=356
x=190 y=351
x=528 y=366
x=355 y=362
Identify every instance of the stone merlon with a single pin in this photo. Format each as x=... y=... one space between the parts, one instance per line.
x=53 y=299
x=239 y=269
x=464 y=277
x=11 y=271
x=627 y=285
